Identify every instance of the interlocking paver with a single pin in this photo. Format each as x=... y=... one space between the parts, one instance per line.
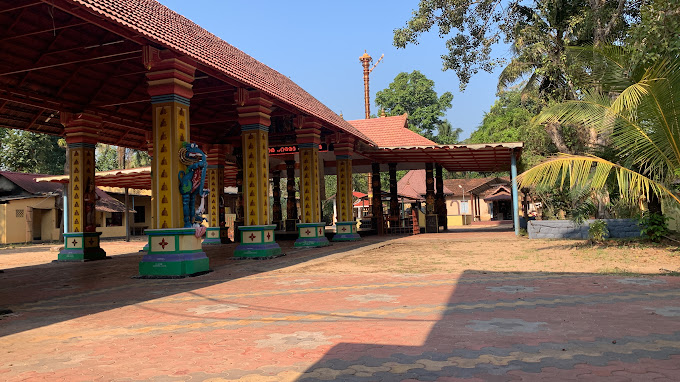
x=259 y=321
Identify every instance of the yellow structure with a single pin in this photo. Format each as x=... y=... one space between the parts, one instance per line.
x=217 y=232
x=257 y=236
x=346 y=225
x=82 y=241
x=311 y=231
x=25 y=220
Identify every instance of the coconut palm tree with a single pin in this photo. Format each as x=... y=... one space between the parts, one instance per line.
x=638 y=109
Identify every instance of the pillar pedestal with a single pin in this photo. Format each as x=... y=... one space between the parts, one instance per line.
x=290 y=224
x=346 y=231
x=312 y=235
x=212 y=236
x=81 y=246
x=431 y=223
x=258 y=242
x=173 y=252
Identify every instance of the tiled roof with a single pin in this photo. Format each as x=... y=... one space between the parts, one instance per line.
x=468 y=185
x=390 y=131
x=414 y=183
x=107 y=203
x=27 y=182
x=160 y=24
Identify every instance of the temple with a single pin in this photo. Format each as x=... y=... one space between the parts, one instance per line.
x=138 y=75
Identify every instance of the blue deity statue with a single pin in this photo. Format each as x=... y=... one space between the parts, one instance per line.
x=191 y=183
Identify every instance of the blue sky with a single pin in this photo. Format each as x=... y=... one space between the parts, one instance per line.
x=318 y=43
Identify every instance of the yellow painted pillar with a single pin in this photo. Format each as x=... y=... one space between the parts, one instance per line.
x=149 y=149
x=173 y=249
x=82 y=241
x=257 y=235
x=346 y=225
x=216 y=231
x=311 y=230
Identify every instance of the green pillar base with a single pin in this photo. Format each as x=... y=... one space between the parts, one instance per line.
x=212 y=236
x=173 y=253
x=346 y=231
x=311 y=235
x=257 y=242
x=81 y=246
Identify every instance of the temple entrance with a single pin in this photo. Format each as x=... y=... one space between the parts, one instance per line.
x=502 y=210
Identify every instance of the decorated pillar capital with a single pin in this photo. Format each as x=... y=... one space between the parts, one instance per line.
x=307 y=131
x=217 y=154
x=81 y=128
x=344 y=147
x=169 y=77
x=254 y=109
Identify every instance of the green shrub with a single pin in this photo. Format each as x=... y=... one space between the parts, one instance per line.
x=598 y=230
x=653 y=226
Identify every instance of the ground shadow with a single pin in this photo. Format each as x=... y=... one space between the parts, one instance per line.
x=59 y=291
x=502 y=326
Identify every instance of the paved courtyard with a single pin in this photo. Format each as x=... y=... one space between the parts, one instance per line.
x=279 y=320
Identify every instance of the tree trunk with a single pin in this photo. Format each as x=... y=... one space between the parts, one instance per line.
x=554 y=131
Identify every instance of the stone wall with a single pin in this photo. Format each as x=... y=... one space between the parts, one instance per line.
x=566 y=229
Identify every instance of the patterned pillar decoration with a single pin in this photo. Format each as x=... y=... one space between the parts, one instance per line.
x=346 y=225
x=240 y=210
x=394 y=198
x=173 y=250
x=311 y=230
x=440 y=199
x=149 y=149
x=82 y=243
x=291 y=204
x=430 y=217
x=277 y=214
x=254 y=110
x=376 y=203
x=216 y=230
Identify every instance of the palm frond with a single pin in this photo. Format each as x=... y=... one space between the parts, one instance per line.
x=590 y=172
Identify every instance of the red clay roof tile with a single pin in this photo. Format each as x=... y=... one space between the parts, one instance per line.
x=390 y=131
x=160 y=24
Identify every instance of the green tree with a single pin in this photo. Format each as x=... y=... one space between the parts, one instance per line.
x=447 y=135
x=413 y=93
x=638 y=110
x=473 y=27
x=656 y=35
x=106 y=157
x=509 y=120
x=23 y=151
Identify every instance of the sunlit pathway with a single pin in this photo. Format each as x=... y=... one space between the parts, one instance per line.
x=248 y=321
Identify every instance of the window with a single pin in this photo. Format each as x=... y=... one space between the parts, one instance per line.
x=19 y=213
x=464 y=207
x=140 y=215
x=116 y=219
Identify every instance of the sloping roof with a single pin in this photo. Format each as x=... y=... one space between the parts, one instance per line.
x=466 y=185
x=494 y=189
x=497 y=193
x=107 y=203
x=27 y=182
x=158 y=23
x=390 y=131
x=414 y=183
x=137 y=178
x=484 y=157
